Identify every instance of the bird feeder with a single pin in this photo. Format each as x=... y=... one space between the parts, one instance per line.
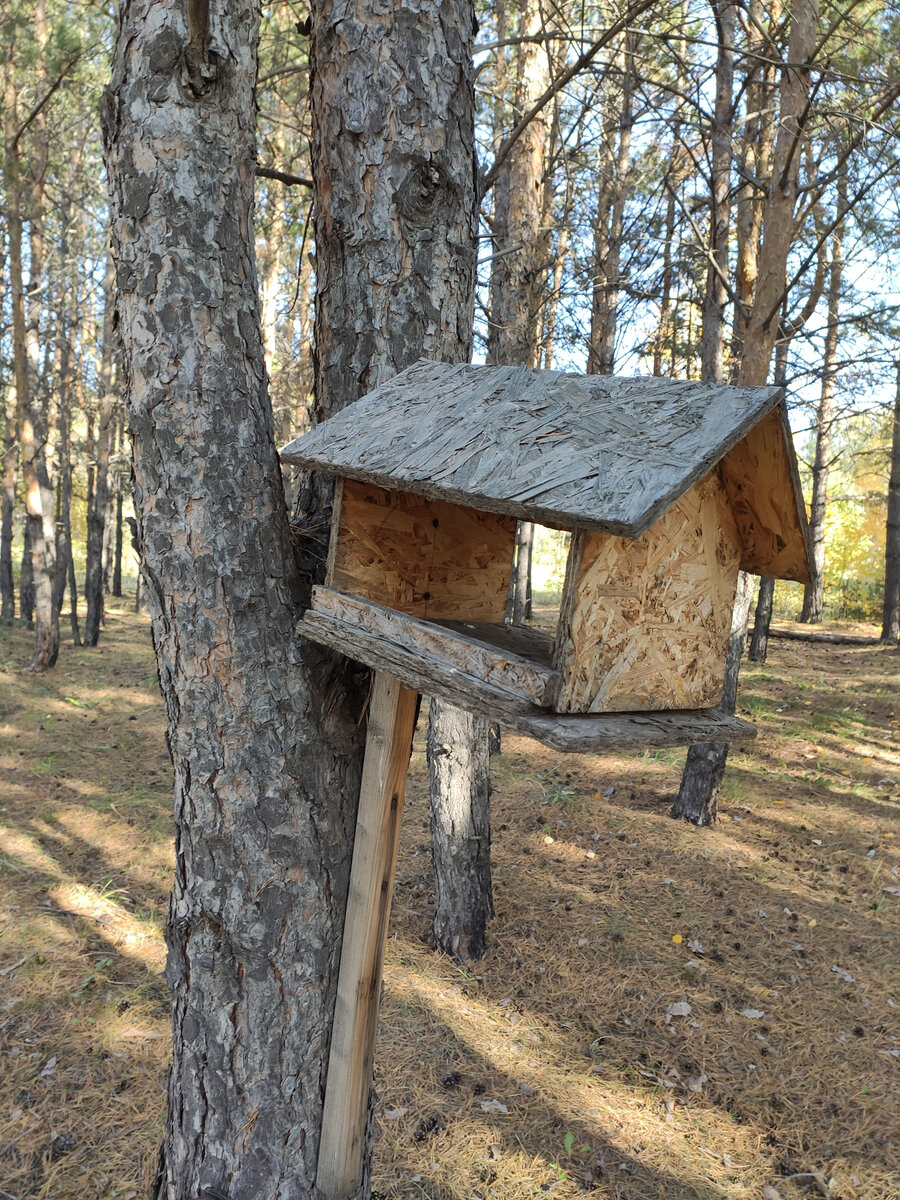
x=668 y=488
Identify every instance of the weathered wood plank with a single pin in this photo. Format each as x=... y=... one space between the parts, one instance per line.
x=587 y=733
x=763 y=485
x=644 y=624
x=421 y=556
x=503 y=668
x=392 y=716
x=593 y=452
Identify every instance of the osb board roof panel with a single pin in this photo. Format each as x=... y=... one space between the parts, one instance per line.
x=588 y=451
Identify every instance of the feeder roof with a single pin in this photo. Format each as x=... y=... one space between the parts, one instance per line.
x=574 y=451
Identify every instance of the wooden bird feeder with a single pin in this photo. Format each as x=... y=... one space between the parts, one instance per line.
x=669 y=488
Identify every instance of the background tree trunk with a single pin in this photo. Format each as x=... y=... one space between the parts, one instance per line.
x=460 y=832
x=705 y=766
x=890 y=624
x=813 y=593
x=762 y=620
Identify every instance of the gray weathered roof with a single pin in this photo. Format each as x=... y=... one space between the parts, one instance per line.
x=588 y=451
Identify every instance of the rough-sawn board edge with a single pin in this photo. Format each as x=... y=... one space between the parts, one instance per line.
x=580 y=733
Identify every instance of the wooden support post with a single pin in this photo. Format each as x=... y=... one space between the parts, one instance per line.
x=392 y=715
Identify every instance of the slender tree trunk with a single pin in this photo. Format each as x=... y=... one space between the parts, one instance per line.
x=615 y=155
x=117 y=548
x=460 y=833
x=26 y=575
x=890 y=625
x=813 y=593
x=762 y=620
x=7 y=509
x=712 y=340
x=705 y=766
x=99 y=500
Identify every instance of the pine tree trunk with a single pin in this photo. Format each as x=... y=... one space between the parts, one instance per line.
x=813 y=593
x=99 y=499
x=613 y=168
x=712 y=339
x=36 y=585
x=759 y=642
x=7 y=510
x=890 y=624
x=698 y=795
x=460 y=831
x=26 y=575
x=264 y=731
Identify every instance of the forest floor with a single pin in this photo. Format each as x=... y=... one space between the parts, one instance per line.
x=663 y=1012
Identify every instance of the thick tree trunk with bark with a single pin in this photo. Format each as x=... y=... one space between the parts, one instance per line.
x=460 y=832
x=890 y=624
x=395 y=226
x=263 y=729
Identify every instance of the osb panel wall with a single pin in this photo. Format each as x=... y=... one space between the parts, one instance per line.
x=645 y=623
x=425 y=557
x=760 y=483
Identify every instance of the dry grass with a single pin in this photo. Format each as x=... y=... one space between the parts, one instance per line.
x=556 y=1065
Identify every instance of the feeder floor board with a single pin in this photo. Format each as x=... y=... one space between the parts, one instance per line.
x=458 y=649
x=385 y=646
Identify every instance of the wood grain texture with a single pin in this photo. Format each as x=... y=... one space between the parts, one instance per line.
x=496 y=663
x=592 y=452
x=392 y=717
x=588 y=733
x=644 y=624
x=763 y=485
x=421 y=556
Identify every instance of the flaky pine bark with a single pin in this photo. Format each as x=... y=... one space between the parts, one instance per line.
x=890 y=624
x=263 y=730
x=460 y=833
x=704 y=769
x=813 y=593
x=394 y=169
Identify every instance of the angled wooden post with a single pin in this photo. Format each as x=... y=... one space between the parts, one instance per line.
x=392 y=716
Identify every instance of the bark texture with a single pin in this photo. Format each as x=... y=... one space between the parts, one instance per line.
x=393 y=162
x=263 y=729
x=460 y=831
